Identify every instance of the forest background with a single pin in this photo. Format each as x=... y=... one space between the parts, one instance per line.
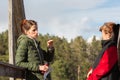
x=72 y=59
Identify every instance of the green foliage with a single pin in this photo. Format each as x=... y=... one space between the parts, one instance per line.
x=79 y=48
x=4 y=58
x=4 y=43
x=93 y=49
x=4 y=78
x=72 y=59
x=4 y=46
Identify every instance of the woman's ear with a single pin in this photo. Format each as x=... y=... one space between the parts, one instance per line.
x=26 y=32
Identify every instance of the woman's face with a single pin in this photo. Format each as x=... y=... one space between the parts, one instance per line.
x=105 y=36
x=33 y=32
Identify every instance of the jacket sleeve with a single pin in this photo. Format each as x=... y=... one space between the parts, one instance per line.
x=106 y=64
x=21 y=57
x=49 y=54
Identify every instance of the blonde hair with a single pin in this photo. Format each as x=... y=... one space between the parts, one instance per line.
x=112 y=29
x=108 y=27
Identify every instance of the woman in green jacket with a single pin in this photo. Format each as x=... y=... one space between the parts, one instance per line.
x=29 y=53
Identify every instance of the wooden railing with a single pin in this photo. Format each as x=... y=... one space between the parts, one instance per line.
x=9 y=70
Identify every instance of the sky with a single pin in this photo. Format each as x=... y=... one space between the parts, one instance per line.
x=67 y=18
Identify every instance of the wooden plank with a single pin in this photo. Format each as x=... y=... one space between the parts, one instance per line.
x=16 y=15
x=11 y=33
x=10 y=70
x=19 y=15
x=118 y=48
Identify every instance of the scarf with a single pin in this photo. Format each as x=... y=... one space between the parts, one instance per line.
x=105 y=45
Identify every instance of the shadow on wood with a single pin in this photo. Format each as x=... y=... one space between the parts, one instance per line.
x=10 y=70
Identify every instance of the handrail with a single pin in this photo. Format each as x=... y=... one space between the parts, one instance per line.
x=10 y=70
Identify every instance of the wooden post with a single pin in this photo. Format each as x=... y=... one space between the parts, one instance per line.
x=16 y=14
x=118 y=48
x=11 y=35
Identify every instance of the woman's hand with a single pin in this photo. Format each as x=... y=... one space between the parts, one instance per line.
x=89 y=73
x=43 y=68
x=50 y=43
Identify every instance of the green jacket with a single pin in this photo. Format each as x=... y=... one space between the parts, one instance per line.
x=27 y=56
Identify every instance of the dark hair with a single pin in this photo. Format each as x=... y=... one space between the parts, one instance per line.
x=26 y=25
x=116 y=32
